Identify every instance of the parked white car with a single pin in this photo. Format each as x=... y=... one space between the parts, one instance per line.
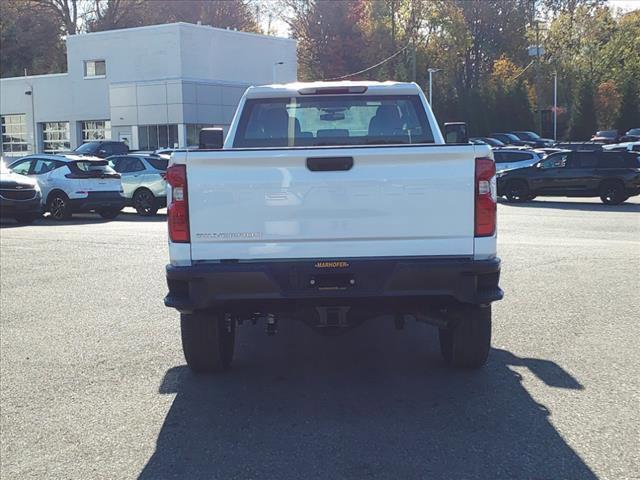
x=74 y=183
x=143 y=181
x=510 y=159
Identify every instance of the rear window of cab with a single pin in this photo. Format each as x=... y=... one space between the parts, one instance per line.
x=322 y=120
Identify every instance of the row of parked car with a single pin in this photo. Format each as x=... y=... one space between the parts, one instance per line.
x=68 y=183
x=528 y=166
x=533 y=140
x=614 y=176
x=104 y=177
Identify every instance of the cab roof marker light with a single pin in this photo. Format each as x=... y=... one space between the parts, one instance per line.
x=332 y=90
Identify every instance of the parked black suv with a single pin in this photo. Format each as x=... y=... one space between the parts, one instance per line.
x=632 y=135
x=102 y=148
x=613 y=176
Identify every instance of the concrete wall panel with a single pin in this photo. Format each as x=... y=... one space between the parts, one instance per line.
x=152 y=93
x=123 y=95
x=207 y=94
x=152 y=114
x=124 y=116
x=174 y=91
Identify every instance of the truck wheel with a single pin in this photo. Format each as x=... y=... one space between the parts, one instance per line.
x=467 y=343
x=517 y=191
x=612 y=193
x=145 y=202
x=207 y=341
x=59 y=206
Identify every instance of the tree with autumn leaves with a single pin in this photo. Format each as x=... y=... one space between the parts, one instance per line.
x=480 y=48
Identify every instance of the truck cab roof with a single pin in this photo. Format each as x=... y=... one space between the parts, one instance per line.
x=342 y=87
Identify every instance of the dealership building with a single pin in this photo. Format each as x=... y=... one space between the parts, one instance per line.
x=151 y=87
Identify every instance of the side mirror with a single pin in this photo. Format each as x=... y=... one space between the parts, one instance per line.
x=456 y=132
x=211 y=139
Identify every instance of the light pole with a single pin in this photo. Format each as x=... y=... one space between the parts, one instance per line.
x=431 y=72
x=555 y=106
x=33 y=112
x=275 y=66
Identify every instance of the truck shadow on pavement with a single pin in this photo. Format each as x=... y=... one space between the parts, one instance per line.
x=595 y=206
x=84 y=219
x=373 y=403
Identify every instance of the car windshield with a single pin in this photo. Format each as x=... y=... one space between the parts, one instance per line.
x=333 y=120
x=606 y=133
x=494 y=142
x=89 y=147
x=506 y=137
x=634 y=131
x=528 y=135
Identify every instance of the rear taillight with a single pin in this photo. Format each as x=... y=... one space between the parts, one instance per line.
x=178 y=209
x=486 y=197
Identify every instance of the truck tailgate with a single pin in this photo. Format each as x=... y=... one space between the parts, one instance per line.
x=393 y=201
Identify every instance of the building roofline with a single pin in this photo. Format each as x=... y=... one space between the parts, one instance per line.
x=224 y=83
x=182 y=25
x=45 y=75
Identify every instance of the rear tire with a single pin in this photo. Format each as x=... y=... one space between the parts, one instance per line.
x=109 y=213
x=612 y=193
x=145 y=203
x=59 y=206
x=517 y=191
x=207 y=341
x=466 y=343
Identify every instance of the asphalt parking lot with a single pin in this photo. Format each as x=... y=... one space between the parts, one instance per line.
x=93 y=383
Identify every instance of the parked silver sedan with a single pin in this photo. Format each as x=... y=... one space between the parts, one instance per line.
x=143 y=181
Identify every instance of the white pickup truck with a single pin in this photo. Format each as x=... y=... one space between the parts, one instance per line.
x=331 y=203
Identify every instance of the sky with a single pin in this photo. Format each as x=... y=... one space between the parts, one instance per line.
x=626 y=5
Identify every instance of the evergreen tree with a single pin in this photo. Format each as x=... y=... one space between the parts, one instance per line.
x=583 y=122
x=520 y=113
x=629 y=114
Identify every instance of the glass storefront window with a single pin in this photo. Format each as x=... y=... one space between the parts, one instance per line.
x=55 y=137
x=96 y=130
x=14 y=135
x=153 y=137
